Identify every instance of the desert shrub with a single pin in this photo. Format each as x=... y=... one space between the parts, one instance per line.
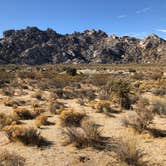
x=71 y=71
x=131 y=70
x=129 y=152
x=13 y=102
x=8 y=91
x=11 y=159
x=88 y=135
x=144 y=117
x=6 y=120
x=37 y=111
x=98 y=80
x=5 y=78
x=38 y=95
x=159 y=107
x=121 y=90
x=87 y=94
x=55 y=106
x=31 y=74
x=145 y=114
x=41 y=120
x=71 y=117
x=156 y=75
x=104 y=106
x=138 y=76
x=63 y=80
x=23 y=113
x=159 y=92
x=24 y=134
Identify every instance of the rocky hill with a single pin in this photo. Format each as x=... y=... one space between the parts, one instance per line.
x=34 y=46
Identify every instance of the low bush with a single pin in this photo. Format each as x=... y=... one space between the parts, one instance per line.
x=23 y=113
x=71 y=117
x=143 y=118
x=71 y=71
x=88 y=135
x=129 y=152
x=41 y=120
x=6 y=120
x=38 y=95
x=13 y=102
x=55 y=107
x=159 y=107
x=159 y=92
x=26 y=135
x=8 y=91
x=11 y=159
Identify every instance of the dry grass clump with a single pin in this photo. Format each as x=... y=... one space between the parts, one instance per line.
x=138 y=76
x=13 y=102
x=29 y=74
x=5 y=77
x=159 y=92
x=38 y=110
x=129 y=152
x=6 y=120
x=55 y=106
x=11 y=159
x=156 y=75
x=159 y=107
x=24 y=113
x=8 y=91
x=38 y=95
x=104 y=106
x=144 y=117
x=24 y=134
x=71 y=117
x=88 y=135
x=41 y=120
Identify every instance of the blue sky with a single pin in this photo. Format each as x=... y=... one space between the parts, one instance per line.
x=122 y=17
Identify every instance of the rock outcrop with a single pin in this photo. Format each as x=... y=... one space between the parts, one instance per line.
x=33 y=46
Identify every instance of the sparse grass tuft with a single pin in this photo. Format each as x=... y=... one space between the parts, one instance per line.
x=88 y=135
x=129 y=152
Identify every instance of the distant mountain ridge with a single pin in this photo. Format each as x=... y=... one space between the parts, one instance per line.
x=33 y=46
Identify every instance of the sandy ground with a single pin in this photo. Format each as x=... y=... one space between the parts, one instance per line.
x=59 y=155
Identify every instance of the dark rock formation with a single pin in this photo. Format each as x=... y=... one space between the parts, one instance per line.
x=33 y=46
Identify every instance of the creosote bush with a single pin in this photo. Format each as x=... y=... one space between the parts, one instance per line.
x=71 y=71
x=121 y=90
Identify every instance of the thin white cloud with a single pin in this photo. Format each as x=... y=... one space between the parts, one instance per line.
x=137 y=35
x=121 y=16
x=162 y=30
x=144 y=10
